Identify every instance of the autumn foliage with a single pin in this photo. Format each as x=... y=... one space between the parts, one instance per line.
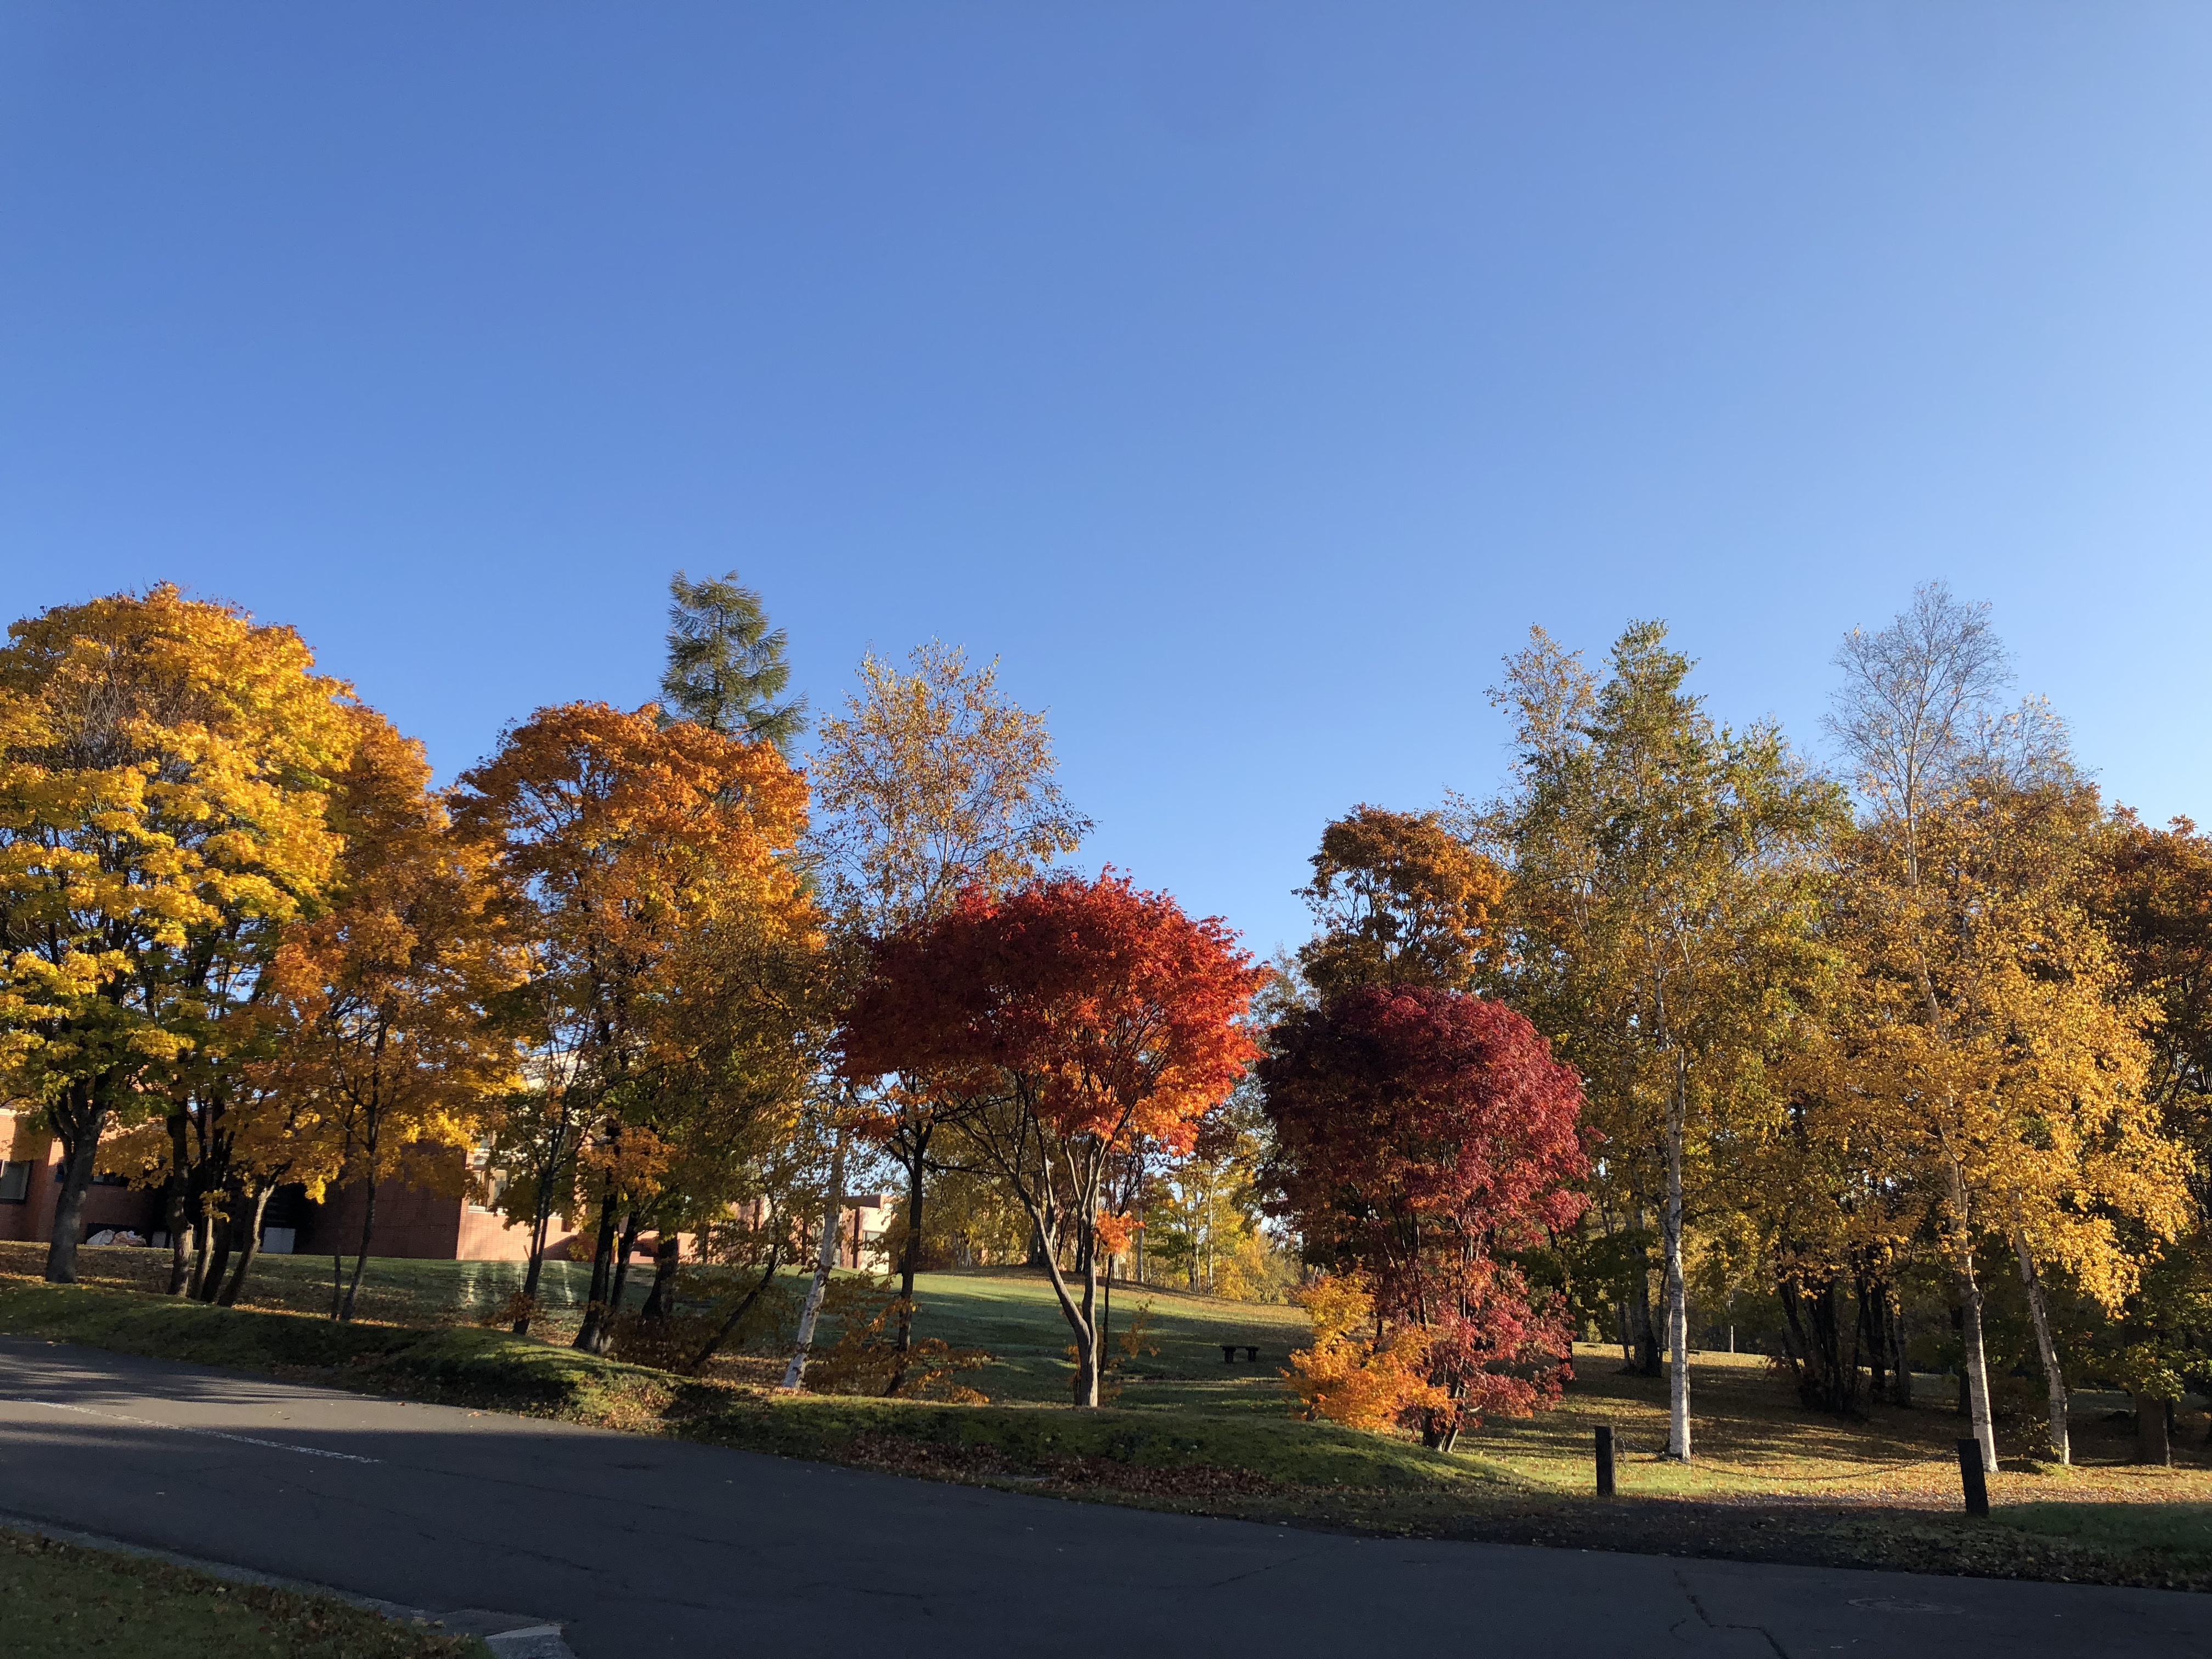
x=166 y=766
x=1354 y=1374
x=1079 y=1018
x=669 y=931
x=1422 y=1136
x=1399 y=900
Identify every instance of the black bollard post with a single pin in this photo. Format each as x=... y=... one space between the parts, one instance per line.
x=1970 y=1475
x=1604 y=1460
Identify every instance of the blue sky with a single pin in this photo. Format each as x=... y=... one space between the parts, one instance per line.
x=1247 y=378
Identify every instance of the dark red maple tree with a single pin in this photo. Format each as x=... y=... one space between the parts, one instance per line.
x=1422 y=1136
x=1073 y=1019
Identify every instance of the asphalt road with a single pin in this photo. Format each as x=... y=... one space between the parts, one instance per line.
x=645 y=1546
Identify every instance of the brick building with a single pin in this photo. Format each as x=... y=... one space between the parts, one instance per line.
x=432 y=1220
x=31 y=1188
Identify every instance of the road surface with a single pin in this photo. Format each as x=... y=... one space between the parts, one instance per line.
x=643 y=1546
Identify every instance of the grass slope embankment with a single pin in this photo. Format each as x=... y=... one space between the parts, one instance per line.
x=1149 y=1454
x=64 y=1601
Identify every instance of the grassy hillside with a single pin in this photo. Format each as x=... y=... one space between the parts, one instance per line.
x=1009 y=1313
x=1013 y=1315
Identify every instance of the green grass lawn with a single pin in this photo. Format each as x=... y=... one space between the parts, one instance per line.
x=1009 y=1313
x=63 y=1602
x=1013 y=1315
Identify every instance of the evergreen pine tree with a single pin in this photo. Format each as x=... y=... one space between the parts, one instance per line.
x=725 y=665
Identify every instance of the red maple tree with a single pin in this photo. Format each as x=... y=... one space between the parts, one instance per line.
x=1422 y=1137
x=1074 y=1019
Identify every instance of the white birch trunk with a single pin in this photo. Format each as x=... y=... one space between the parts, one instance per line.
x=1976 y=1360
x=2054 y=1379
x=795 y=1373
x=1678 y=1295
x=1978 y=1373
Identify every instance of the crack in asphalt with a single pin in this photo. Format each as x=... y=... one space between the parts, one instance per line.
x=1254 y=1573
x=1707 y=1619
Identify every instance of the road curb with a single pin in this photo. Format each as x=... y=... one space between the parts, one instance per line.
x=510 y=1636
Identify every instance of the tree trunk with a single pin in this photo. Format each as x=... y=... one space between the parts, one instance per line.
x=633 y=1224
x=1086 y=1330
x=1678 y=1290
x=223 y=1245
x=203 y=1252
x=795 y=1372
x=1826 y=1380
x=668 y=1258
x=590 y=1335
x=1873 y=1332
x=368 y=1235
x=2054 y=1380
x=78 y=1127
x=249 y=1246
x=1974 y=1367
x=1643 y=1328
x=1900 y=1360
x=541 y=1222
x=909 y=1264
x=176 y=1207
x=2153 y=1438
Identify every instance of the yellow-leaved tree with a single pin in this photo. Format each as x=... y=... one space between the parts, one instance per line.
x=931 y=781
x=1352 y=1374
x=1994 y=1051
x=165 y=771
x=1661 y=910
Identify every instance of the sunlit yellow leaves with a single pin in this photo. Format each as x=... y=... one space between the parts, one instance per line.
x=1994 y=1038
x=1347 y=1376
x=937 y=782
x=165 y=766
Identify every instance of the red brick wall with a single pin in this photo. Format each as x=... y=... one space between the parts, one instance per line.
x=410 y=1222
x=488 y=1237
x=424 y=1222
x=22 y=1139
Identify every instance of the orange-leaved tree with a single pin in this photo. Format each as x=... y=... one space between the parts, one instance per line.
x=631 y=843
x=1400 y=900
x=1354 y=1373
x=381 y=1010
x=164 y=765
x=1074 y=1017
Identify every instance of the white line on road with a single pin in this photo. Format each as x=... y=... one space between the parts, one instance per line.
x=181 y=1428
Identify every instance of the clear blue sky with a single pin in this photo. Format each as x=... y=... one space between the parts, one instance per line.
x=1247 y=378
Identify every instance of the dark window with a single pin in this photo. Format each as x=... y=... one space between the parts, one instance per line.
x=15 y=1183
x=110 y=1181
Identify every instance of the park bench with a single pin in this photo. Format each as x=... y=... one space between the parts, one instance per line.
x=1229 y=1351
